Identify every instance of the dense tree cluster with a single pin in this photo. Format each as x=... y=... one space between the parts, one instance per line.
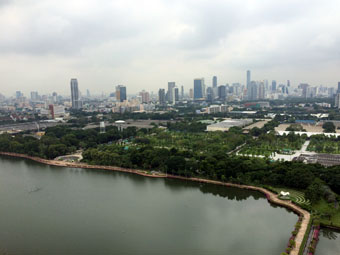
x=61 y=140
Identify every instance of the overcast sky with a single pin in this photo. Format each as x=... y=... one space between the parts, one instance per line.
x=143 y=44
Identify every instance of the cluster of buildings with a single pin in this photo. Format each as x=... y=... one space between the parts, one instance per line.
x=214 y=96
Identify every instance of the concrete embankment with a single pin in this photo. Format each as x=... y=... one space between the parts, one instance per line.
x=270 y=195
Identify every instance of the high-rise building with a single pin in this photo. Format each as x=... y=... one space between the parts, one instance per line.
x=18 y=94
x=222 y=93
x=338 y=91
x=273 y=85
x=34 y=96
x=337 y=100
x=161 y=96
x=88 y=93
x=199 y=88
x=170 y=93
x=261 y=94
x=55 y=97
x=214 y=81
x=248 y=79
x=304 y=87
x=210 y=94
x=120 y=93
x=145 y=96
x=191 y=93
x=182 y=92
x=76 y=103
x=176 y=94
x=288 y=83
x=253 y=91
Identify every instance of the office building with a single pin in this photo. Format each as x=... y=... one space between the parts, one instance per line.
x=273 y=86
x=34 y=96
x=182 y=92
x=248 y=79
x=214 y=81
x=161 y=96
x=261 y=91
x=337 y=101
x=176 y=94
x=199 y=88
x=253 y=91
x=222 y=93
x=120 y=93
x=145 y=96
x=338 y=91
x=75 y=98
x=171 y=91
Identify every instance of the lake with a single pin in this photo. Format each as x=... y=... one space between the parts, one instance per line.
x=329 y=242
x=53 y=210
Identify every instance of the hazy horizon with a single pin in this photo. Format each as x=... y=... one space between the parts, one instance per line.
x=145 y=44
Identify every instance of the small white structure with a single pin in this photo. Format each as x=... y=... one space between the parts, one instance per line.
x=284 y=194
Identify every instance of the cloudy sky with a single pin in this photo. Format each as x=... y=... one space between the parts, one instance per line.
x=143 y=44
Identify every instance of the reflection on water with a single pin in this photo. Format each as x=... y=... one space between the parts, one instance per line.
x=329 y=242
x=82 y=211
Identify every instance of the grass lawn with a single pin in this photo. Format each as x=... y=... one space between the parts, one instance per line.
x=295 y=195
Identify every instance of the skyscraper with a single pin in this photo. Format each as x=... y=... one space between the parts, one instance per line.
x=253 y=91
x=161 y=96
x=338 y=91
x=273 y=86
x=34 y=96
x=261 y=94
x=199 y=88
x=182 y=92
x=76 y=103
x=145 y=96
x=120 y=93
x=170 y=94
x=248 y=79
x=176 y=94
x=222 y=93
x=214 y=81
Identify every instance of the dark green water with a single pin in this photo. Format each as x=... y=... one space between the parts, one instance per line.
x=329 y=242
x=79 y=211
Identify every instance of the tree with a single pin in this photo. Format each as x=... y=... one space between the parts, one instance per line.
x=328 y=127
x=314 y=191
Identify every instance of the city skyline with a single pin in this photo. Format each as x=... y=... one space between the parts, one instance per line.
x=123 y=42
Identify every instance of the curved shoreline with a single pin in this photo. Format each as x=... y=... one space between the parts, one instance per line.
x=270 y=195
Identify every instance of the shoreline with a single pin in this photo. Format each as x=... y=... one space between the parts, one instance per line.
x=271 y=197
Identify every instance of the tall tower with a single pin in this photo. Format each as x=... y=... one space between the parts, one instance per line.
x=248 y=79
x=161 y=96
x=171 y=91
x=214 y=81
x=120 y=93
x=76 y=104
x=182 y=92
x=199 y=88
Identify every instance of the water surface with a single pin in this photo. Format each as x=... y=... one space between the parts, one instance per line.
x=329 y=242
x=52 y=210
